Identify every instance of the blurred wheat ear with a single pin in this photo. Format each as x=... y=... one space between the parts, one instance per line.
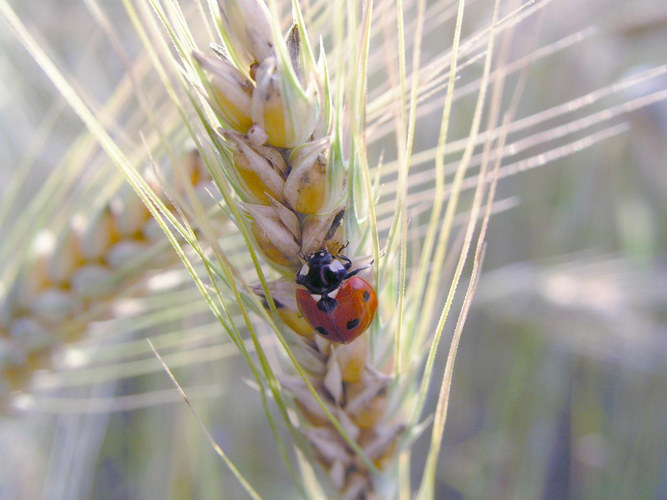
x=327 y=128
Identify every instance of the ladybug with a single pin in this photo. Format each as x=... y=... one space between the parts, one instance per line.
x=339 y=305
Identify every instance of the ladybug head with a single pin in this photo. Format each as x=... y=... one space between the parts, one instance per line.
x=323 y=273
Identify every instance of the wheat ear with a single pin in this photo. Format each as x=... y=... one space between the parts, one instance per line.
x=74 y=276
x=284 y=139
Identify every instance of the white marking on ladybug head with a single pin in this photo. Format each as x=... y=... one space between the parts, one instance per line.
x=333 y=293
x=304 y=270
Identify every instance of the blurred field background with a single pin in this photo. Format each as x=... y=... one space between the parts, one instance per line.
x=560 y=388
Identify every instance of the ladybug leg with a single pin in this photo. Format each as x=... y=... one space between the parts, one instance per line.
x=358 y=270
x=347 y=263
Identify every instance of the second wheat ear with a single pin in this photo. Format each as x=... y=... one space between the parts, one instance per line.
x=74 y=278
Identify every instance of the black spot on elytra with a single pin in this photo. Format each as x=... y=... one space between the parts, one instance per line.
x=327 y=304
x=367 y=296
x=322 y=330
x=352 y=323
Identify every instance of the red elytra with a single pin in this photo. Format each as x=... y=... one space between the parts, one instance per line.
x=342 y=314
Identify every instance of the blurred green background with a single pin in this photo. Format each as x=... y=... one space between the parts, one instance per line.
x=560 y=389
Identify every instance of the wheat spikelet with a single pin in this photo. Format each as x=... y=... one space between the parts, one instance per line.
x=75 y=275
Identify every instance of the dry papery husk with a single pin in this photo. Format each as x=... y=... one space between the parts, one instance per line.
x=357 y=396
